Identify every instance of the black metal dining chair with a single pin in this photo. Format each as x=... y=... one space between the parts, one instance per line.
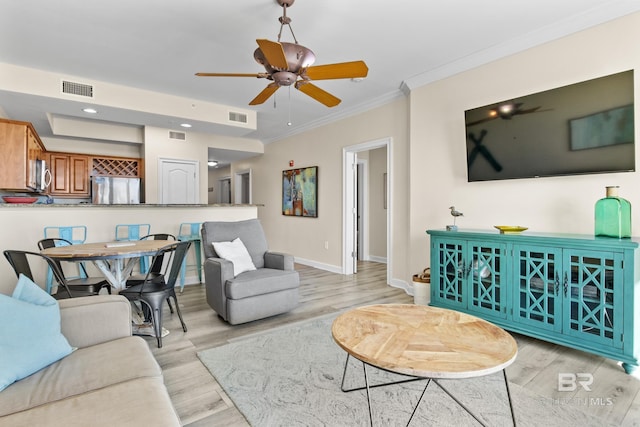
x=153 y=294
x=86 y=284
x=21 y=261
x=155 y=273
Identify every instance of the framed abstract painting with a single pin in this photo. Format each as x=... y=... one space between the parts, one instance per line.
x=300 y=192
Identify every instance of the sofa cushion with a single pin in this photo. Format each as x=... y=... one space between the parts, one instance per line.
x=259 y=282
x=139 y=402
x=30 y=337
x=237 y=253
x=86 y=369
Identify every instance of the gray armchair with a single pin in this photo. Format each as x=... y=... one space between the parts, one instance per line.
x=269 y=290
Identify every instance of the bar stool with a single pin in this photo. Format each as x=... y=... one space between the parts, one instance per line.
x=191 y=231
x=76 y=234
x=134 y=232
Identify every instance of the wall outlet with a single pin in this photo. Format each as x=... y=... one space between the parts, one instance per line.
x=326 y=244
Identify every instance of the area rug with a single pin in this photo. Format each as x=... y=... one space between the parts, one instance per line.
x=291 y=376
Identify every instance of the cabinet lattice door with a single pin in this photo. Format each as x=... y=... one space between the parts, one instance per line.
x=590 y=300
x=538 y=277
x=450 y=272
x=485 y=272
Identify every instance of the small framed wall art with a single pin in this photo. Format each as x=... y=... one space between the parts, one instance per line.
x=300 y=192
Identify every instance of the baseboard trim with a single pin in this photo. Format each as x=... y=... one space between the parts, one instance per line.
x=401 y=284
x=319 y=265
x=380 y=259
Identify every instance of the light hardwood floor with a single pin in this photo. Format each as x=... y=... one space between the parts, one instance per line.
x=200 y=401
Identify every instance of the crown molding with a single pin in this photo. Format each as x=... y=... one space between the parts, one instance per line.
x=596 y=16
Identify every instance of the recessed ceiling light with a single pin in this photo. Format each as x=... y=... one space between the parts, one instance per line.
x=212 y=163
x=185 y=125
x=90 y=110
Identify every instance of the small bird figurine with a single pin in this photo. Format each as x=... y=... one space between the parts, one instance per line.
x=455 y=214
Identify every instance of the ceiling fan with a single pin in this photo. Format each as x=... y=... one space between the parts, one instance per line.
x=506 y=111
x=289 y=64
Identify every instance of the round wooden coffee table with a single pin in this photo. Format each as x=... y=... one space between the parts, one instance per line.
x=424 y=343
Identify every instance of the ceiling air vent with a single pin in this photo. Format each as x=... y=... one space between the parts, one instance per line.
x=237 y=117
x=74 y=88
x=181 y=136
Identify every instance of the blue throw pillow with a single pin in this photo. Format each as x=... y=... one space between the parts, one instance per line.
x=30 y=337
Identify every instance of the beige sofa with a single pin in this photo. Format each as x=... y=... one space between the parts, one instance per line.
x=111 y=380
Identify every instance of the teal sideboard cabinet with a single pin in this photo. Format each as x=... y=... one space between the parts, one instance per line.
x=580 y=291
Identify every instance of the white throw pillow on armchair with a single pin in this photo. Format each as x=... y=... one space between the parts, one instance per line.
x=237 y=253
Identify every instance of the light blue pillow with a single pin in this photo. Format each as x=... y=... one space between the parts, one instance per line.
x=30 y=337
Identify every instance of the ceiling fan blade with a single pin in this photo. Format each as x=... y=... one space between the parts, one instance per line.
x=265 y=94
x=318 y=94
x=258 y=75
x=530 y=110
x=274 y=53
x=342 y=70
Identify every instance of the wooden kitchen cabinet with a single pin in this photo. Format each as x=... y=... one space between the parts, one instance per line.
x=20 y=147
x=69 y=174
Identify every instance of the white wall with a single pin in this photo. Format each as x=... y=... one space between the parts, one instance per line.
x=438 y=153
x=157 y=145
x=322 y=147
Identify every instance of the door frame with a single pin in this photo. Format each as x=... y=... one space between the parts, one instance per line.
x=349 y=156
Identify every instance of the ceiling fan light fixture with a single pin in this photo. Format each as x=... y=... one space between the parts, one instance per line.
x=212 y=163
x=284 y=78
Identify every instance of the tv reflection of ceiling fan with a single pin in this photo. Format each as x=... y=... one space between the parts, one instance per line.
x=289 y=64
x=505 y=111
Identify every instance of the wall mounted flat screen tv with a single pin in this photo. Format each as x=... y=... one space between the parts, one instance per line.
x=583 y=128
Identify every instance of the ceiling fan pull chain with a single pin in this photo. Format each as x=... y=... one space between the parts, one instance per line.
x=289 y=122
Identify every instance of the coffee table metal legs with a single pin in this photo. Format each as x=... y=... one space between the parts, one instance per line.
x=368 y=387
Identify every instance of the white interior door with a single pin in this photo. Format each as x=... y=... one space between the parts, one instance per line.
x=178 y=182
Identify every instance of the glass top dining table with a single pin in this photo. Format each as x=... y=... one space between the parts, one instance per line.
x=115 y=260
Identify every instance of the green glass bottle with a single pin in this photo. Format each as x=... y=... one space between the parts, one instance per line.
x=613 y=215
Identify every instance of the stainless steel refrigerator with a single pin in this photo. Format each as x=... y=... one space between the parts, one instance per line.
x=111 y=190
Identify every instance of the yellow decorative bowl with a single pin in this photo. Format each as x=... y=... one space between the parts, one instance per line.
x=504 y=229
